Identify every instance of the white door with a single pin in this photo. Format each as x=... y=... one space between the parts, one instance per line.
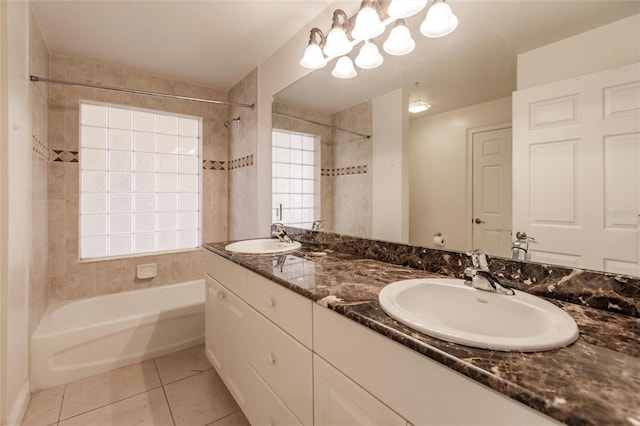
x=492 y=191
x=576 y=170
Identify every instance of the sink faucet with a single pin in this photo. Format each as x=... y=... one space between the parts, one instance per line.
x=281 y=233
x=479 y=276
x=317 y=225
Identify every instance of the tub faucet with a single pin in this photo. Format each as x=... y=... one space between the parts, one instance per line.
x=479 y=276
x=281 y=233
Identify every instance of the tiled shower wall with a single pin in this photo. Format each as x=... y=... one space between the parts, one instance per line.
x=38 y=98
x=69 y=278
x=345 y=161
x=243 y=147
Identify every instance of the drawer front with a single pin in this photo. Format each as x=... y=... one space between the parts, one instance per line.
x=290 y=311
x=264 y=407
x=283 y=363
x=227 y=273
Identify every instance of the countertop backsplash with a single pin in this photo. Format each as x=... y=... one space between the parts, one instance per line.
x=610 y=292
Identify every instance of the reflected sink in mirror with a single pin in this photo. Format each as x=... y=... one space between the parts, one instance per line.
x=262 y=246
x=450 y=310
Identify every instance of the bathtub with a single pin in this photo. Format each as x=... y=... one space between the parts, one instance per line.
x=84 y=337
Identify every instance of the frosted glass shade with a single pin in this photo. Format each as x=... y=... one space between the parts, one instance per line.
x=337 y=43
x=369 y=56
x=399 y=41
x=344 y=68
x=439 y=21
x=313 y=57
x=368 y=24
x=405 y=8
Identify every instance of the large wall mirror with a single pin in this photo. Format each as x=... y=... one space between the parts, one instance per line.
x=513 y=141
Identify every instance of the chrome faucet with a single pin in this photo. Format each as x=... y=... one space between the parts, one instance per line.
x=479 y=276
x=281 y=233
x=317 y=225
x=520 y=247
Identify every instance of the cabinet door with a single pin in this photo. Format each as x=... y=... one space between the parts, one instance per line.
x=213 y=323
x=340 y=401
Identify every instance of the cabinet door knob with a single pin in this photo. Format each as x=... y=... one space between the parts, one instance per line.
x=271 y=302
x=272 y=359
x=220 y=295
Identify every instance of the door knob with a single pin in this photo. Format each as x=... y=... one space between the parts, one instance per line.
x=478 y=221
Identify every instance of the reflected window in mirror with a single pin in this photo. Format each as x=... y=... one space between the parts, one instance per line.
x=296 y=178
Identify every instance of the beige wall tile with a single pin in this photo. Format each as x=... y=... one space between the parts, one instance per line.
x=147 y=409
x=96 y=391
x=200 y=399
x=44 y=407
x=56 y=181
x=56 y=288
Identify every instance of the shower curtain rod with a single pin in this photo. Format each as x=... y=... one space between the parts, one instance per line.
x=139 y=92
x=317 y=123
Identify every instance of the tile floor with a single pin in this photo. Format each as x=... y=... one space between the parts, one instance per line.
x=179 y=389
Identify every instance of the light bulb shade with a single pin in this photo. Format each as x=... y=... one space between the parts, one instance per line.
x=313 y=58
x=337 y=44
x=344 y=68
x=418 y=106
x=369 y=56
x=399 y=41
x=439 y=21
x=368 y=24
x=405 y=8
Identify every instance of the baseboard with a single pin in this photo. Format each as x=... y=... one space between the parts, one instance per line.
x=17 y=412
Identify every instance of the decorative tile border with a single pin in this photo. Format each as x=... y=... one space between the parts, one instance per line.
x=213 y=165
x=63 y=156
x=352 y=170
x=40 y=148
x=241 y=162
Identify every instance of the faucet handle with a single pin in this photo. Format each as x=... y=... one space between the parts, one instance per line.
x=480 y=259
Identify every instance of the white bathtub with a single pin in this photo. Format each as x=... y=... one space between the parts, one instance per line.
x=84 y=337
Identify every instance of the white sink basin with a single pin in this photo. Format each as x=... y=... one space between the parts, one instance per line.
x=450 y=310
x=262 y=246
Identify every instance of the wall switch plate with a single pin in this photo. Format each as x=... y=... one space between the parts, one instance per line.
x=149 y=270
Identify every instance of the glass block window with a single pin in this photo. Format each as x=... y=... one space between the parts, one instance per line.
x=295 y=178
x=140 y=181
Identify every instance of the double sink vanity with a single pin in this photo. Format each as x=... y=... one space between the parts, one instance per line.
x=344 y=332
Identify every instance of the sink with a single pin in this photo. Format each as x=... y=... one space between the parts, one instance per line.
x=450 y=310
x=262 y=246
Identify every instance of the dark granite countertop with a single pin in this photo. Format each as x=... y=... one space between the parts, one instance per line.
x=594 y=381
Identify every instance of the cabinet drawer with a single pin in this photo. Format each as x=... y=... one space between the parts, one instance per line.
x=290 y=311
x=227 y=273
x=265 y=408
x=283 y=363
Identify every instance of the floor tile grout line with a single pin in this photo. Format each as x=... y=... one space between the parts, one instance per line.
x=64 y=391
x=164 y=392
x=187 y=377
x=224 y=417
x=111 y=403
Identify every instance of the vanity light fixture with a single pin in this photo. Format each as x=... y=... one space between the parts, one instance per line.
x=405 y=8
x=399 y=41
x=368 y=24
x=344 y=68
x=439 y=21
x=369 y=56
x=313 y=57
x=338 y=43
x=418 y=106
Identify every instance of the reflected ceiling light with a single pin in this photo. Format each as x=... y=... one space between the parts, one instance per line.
x=344 y=68
x=418 y=106
x=368 y=24
x=399 y=41
x=338 y=43
x=405 y=8
x=369 y=56
x=313 y=57
x=439 y=21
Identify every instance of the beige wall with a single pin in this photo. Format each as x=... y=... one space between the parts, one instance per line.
x=438 y=168
x=243 y=151
x=606 y=47
x=39 y=98
x=71 y=279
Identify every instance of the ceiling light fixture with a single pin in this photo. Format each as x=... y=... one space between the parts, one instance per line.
x=344 y=68
x=313 y=57
x=418 y=106
x=439 y=21
x=368 y=24
x=338 y=43
x=399 y=41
